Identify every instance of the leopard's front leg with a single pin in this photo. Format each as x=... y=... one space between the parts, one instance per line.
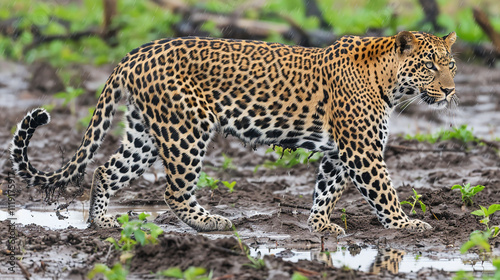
x=329 y=187
x=369 y=174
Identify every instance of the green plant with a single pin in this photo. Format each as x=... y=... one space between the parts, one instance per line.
x=117 y=272
x=496 y=264
x=191 y=273
x=343 y=217
x=207 y=181
x=468 y=192
x=414 y=200
x=137 y=22
x=299 y=276
x=230 y=186
x=289 y=158
x=133 y=232
x=463 y=275
x=254 y=262
x=227 y=163
x=69 y=97
x=477 y=239
x=462 y=134
x=486 y=213
x=143 y=233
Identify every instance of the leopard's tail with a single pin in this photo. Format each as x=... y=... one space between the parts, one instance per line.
x=75 y=168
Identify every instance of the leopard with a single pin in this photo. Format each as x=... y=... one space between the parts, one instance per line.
x=180 y=92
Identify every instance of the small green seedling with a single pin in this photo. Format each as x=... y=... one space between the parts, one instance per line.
x=69 y=96
x=230 y=186
x=486 y=213
x=462 y=134
x=143 y=233
x=477 y=239
x=299 y=276
x=343 y=217
x=468 y=192
x=191 y=273
x=207 y=181
x=288 y=158
x=117 y=272
x=415 y=199
x=227 y=163
x=255 y=263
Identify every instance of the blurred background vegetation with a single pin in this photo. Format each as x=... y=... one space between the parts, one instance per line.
x=97 y=32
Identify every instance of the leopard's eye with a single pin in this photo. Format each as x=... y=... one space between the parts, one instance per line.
x=429 y=65
x=452 y=64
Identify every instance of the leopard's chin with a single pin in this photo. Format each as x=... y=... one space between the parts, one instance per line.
x=431 y=101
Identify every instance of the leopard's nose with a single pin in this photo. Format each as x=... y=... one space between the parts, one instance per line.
x=447 y=91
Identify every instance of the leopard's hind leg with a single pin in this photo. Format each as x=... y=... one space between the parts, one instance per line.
x=137 y=153
x=182 y=152
x=329 y=187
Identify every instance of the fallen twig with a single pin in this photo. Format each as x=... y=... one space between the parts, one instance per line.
x=25 y=272
x=409 y=149
x=482 y=20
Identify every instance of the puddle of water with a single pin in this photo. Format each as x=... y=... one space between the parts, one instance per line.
x=77 y=218
x=367 y=259
x=376 y=261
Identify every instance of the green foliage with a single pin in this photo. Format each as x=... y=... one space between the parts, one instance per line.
x=207 y=181
x=462 y=133
x=69 y=97
x=414 y=200
x=298 y=276
x=496 y=264
x=255 y=263
x=230 y=186
x=486 y=213
x=343 y=217
x=295 y=9
x=468 y=192
x=477 y=239
x=463 y=275
x=136 y=231
x=117 y=272
x=357 y=18
x=228 y=163
x=288 y=158
x=192 y=273
x=138 y=21
x=480 y=239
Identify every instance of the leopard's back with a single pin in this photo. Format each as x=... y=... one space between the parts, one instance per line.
x=262 y=93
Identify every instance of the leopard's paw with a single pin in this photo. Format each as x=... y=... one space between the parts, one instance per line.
x=211 y=223
x=104 y=221
x=317 y=225
x=417 y=225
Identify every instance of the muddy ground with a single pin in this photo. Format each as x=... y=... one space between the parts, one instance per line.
x=269 y=207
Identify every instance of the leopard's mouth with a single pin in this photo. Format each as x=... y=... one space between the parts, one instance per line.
x=430 y=100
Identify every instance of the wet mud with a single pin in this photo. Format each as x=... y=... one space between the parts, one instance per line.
x=269 y=207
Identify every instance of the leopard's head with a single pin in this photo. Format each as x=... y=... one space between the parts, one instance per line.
x=426 y=67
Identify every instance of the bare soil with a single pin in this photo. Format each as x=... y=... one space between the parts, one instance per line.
x=268 y=207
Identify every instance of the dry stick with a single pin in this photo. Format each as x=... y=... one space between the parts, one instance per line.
x=25 y=272
x=431 y=12
x=482 y=20
x=408 y=149
x=109 y=13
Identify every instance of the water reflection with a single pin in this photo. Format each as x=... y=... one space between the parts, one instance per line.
x=379 y=260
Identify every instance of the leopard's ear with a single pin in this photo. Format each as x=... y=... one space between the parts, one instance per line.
x=450 y=39
x=406 y=43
